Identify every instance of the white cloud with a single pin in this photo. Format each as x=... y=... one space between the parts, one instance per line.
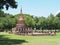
x=57 y=12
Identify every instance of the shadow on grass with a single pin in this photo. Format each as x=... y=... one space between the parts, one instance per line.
x=7 y=41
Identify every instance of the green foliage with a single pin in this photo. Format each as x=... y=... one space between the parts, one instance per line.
x=58 y=15
x=2 y=14
x=29 y=20
x=50 y=21
x=7 y=4
x=8 y=21
x=42 y=22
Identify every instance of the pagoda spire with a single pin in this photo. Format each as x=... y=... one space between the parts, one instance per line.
x=21 y=10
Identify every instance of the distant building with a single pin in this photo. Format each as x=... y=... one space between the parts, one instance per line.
x=21 y=27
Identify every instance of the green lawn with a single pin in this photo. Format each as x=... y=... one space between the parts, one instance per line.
x=11 y=39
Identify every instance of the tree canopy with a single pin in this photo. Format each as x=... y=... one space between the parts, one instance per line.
x=8 y=3
x=8 y=21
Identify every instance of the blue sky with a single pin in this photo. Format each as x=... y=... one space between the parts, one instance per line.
x=36 y=7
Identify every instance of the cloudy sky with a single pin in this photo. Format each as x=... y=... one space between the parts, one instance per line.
x=36 y=7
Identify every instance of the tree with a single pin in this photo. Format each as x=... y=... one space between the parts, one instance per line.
x=29 y=20
x=2 y=14
x=1 y=25
x=36 y=19
x=9 y=22
x=50 y=21
x=7 y=4
x=42 y=22
x=58 y=15
x=56 y=23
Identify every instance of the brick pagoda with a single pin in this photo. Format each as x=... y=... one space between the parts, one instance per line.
x=21 y=27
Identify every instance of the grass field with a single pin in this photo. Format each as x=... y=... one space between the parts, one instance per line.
x=11 y=39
